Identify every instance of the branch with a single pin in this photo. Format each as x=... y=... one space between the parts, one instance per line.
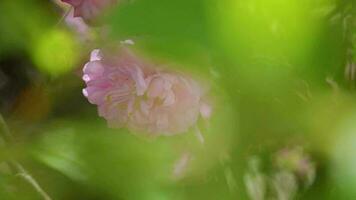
x=19 y=169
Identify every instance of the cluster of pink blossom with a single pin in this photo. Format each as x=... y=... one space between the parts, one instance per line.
x=133 y=93
x=89 y=9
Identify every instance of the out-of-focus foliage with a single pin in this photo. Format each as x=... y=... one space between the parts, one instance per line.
x=343 y=159
x=176 y=29
x=282 y=79
x=49 y=59
x=22 y=22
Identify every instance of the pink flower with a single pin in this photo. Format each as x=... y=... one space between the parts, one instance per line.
x=132 y=93
x=89 y=9
x=171 y=105
x=78 y=25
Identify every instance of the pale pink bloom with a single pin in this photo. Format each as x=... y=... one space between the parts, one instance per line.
x=89 y=9
x=171 y=104
x=78 y=25
x=205 y=110
x=113 y=84
x=134 y=94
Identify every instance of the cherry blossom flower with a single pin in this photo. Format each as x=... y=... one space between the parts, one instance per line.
x=89 y=9
x=78 y=26
x=135 y=94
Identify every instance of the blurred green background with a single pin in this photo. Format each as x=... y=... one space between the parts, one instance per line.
x=282 y=76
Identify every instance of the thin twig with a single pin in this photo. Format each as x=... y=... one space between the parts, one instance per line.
x=19 y=169
x=4 y=130
x=65 y=15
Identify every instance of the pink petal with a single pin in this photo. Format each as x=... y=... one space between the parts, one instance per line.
x=205 y=110
x=95 y=55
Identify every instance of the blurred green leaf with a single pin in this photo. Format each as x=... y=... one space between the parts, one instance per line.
x=175 y=29
x=55 y=52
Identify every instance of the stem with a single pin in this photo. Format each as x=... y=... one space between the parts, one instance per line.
x=199 y=135
x=19 y=169
x=5 y=131
x=66 y=13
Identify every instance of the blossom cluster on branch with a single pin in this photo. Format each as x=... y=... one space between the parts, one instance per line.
x=133 y=93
